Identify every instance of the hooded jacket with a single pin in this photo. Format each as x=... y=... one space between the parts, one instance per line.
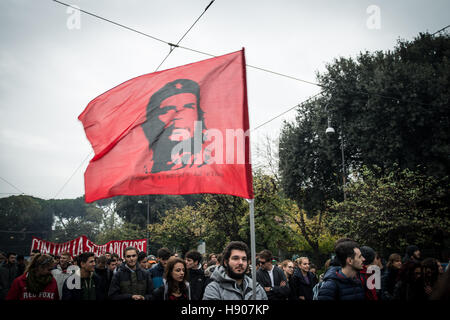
x=123 y=287
x=19 y=290
x=336 y=286
x=61 y=276
x=156 y=273
x=222 y=287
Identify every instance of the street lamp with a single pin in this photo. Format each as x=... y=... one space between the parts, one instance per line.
x=330 y=130
x=148 y=216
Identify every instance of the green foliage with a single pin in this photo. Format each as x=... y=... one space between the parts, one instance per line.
x=271 y=231
x=309 y=160
x=121 y=231
x=134 y=208
x=394 y=210
x=22 y=217
x=86 y=220
x=386 y=108
x=179 y=230
x=392 y=107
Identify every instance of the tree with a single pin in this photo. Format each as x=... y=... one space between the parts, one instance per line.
x=134 y=208
x=392 y=107
x=181 y=229
x=22 y=217
x=392 y=211
x=271 y=229
x=309 y=168
x=74 y=217
x=121 y=231
x=386 y=108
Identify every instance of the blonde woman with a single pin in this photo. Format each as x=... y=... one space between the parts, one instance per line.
x=303 y=280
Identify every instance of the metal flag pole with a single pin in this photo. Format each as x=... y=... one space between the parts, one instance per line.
x=252 y=245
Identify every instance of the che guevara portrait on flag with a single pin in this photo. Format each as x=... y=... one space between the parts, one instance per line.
x=174 y=126
x=177 y=131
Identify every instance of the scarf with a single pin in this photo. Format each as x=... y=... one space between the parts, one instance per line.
x=36 y=284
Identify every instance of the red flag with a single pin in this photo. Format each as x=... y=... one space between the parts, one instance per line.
x=177 y=131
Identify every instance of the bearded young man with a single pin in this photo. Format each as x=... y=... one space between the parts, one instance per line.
x=229 y=281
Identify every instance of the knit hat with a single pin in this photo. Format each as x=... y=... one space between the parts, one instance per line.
x=368 y=253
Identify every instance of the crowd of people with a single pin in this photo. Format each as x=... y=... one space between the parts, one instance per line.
x=353 y=273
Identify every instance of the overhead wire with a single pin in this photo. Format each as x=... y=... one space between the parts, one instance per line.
x=288 y=110
x=441 y=30
x=184 y=35
x=172 y=45
x=250 y=66
x=21 y=192
x=177 y=45
x=70 y=178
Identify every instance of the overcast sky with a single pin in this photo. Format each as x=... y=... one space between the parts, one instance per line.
x=52 y=64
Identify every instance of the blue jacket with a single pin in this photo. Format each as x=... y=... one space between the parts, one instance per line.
x=156 y=273
x=336 y=286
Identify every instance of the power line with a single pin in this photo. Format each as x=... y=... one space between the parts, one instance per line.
x=250 y=66
x=70 y=178
x=173 y=46
x=284 y=112
x=110 y=21
x=441 y=30
x=21 y=192
x=176 y=45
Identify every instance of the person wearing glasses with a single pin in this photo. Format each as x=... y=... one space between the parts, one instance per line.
x=37 y=283
x=288 y=268
x=130 y=282
x=272 y=278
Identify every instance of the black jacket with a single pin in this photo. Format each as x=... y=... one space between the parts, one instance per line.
x=103 y=274
x=122 y=286
x=161 y=293
x=8 y=272
x=388 y=281
x=197 y=281
x=77 y=294
x=300 y=287
x=277 y=292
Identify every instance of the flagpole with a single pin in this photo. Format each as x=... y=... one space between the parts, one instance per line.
x=252 y=245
